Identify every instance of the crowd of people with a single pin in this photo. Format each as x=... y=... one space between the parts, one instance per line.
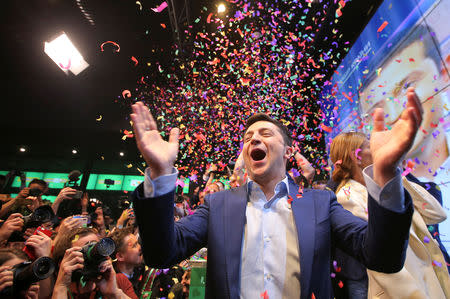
x=73 y=248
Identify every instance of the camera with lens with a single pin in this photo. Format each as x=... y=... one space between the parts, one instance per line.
x=124 y=202
x=27 y=273
x=94 y=253
x=92 y=207
x=35 y=192
x=74 y=177
x=40 y=216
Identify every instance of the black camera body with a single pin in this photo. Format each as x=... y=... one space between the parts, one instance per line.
x=94 y=253
x=124 y=202
x=27 y=273
x=40 y=216
x=74 y=177
x=35 y=192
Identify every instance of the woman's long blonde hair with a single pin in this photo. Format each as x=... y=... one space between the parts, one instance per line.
x=341 y=150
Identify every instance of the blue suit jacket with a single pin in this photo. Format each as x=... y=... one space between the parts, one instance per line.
x=322 y=223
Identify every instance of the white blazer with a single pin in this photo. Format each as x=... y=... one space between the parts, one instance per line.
x=424 y=274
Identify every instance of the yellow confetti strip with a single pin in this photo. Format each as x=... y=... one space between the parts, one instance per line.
x=76 y=238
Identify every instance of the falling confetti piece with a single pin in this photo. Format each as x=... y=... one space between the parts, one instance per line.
x=356 y=153
x=76 y=238
x=126 y=93
x=99 y=118
x=208 y=19
x=160 y=8
x=381 y=28
x=67 y=66
x=290 y=199
x=134 y=60
x=326 y=128
x=140 y=5
x=110 y=42
x=264 y=295
x=407 y=171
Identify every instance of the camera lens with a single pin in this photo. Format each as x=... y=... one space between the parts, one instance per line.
x=105 y=247
x=43 y=267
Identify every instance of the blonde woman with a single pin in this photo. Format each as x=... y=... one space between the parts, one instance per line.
x=424 y=274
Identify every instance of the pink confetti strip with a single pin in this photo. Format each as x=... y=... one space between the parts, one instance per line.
x=161 y=7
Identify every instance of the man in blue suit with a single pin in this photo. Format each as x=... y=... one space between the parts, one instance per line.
x=266 y=237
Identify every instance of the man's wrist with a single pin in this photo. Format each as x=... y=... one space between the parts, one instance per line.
x=155 y=173
x=382 y=177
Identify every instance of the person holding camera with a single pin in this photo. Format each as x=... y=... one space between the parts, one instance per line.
x=10 y=258
x=28 y=199
x=126 y=218
x=66 y=193
x=12 y=224
x=81 y=275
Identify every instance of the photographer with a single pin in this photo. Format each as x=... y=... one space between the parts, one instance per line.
x=125 y=218
x=27 y=200
x=95 y=212
x=12 y=224
x=67 y=252
x=8 y=258
x=66 y=193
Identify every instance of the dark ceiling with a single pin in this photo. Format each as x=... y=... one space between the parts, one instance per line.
x=51 y=113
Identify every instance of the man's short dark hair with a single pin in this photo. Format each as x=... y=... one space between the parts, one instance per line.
x=264 y=117
x=39 y=182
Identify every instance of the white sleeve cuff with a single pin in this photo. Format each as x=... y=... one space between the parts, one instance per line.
x=391 y=195
x=161 y=185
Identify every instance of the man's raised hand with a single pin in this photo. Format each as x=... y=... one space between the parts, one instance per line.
x=159 y=155
x=388 y=148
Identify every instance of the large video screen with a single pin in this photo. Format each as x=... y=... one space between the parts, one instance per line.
x=92 y=181
x=57 y=180
x=131 y=182
x=406 y=43
x=111 y=182
x=30 y=175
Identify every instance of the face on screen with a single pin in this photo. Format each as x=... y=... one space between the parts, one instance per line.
x=407 y=67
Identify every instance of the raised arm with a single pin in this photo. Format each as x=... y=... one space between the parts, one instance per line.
x=164 y=242
x=389 y=147
x=159 y=155
x=382 y=245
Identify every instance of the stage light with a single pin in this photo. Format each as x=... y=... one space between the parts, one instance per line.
x=74 y=151
x=221 y=8
x=22 y=149
x=122 y=154
x=65 y=55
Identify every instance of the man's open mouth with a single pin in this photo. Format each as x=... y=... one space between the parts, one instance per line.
x=257 y=154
